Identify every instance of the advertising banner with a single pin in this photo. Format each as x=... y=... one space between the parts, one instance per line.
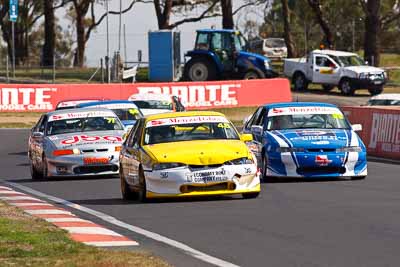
x=194 y=95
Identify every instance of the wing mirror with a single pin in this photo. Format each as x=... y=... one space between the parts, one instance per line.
x=356 y=127
x=256 y=129
x=246 y=137
x=37 y=135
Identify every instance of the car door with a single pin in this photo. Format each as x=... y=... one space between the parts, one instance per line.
x=325 y=70
x=256 y=125
x=38 y=141
x=127 y=155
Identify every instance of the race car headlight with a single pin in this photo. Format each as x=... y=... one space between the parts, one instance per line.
x=289 y=149
x=266 y=64
x=349 y=149
x=163 y=166
x=64 y=152
x=240 y=161
x=363 y=75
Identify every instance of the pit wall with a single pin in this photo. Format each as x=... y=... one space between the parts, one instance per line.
x=194 y=95
x=381 y=129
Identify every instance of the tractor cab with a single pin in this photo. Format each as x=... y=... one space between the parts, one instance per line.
x=222 y=54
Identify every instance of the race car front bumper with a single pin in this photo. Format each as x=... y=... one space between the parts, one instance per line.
x=187 y=181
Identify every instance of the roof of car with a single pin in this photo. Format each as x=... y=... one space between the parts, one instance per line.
x=64 y=111
x=386 y=97
x=183 y=114
x=216 y=30
x=334 y=53
x=150 y=96
x=299 y=104
x=108 y=102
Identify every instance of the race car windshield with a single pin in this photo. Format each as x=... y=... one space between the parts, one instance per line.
x=306 y=121
x=127 y=114
x=153 y=104
x=83 y=125
x=190 y=132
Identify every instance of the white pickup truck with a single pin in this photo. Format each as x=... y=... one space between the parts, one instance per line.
x=334 y=68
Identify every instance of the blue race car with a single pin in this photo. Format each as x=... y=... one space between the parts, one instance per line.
x=306 y=140
x=125 y=110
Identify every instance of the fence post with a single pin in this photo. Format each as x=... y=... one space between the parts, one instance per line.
x=54 y=69
x=7 y=69
x=102 y=70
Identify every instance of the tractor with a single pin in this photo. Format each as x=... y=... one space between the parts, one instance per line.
x=222 y=54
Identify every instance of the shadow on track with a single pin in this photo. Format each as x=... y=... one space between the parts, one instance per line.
x=24 y=153
x=55 y=179
x=276 y=180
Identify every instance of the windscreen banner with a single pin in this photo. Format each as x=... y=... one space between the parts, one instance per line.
x=194 y=95
x=381 y=129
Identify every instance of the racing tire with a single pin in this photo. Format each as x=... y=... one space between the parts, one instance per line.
x=35 y=174
x=126 y=191
x=252 y=74
x=45 y=170
x=200 y=70
x=327 y=87
x=375 y=90
x=250 y=195
x=264 y=177
x=300 y=82
x=142 y=187
x=346 y=87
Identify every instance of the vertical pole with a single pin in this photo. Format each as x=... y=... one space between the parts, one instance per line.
x=13 y=48
x=119 y=26
x=54 y=68
x=125 y=55
x=7 y=69
x=108 y=49
x=353 y=33
x=102 y=70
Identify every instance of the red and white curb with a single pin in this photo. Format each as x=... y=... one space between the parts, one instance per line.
x=79 y=229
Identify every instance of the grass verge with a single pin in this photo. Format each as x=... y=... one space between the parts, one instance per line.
x=29 y=241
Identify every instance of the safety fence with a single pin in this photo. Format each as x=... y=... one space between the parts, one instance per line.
x=381 y=129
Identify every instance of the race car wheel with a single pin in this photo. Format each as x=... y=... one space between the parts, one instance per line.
x=265 y=178
x=126 y=191
x=250 y=195
x=45 y=170
x=346 y=87
x=375 y=90
x=142 y=187
x=34 y=172
x=299 y=82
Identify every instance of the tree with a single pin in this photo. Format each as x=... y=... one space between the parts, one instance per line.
x=227 y=14
x=316 y=6
x=287 y=29
x=49 y=33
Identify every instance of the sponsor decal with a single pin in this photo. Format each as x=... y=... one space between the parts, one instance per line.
x=320 y=143
x=84 y=138
x=326 y=71
x=303 y=110
x=186 y=120
x=207 y=176
x=385 y=132
x=90 y=161
x=73 y=103
x=317 y=135
x=322 y=160
x=163 y=175
x=75 y=115
x=116 y=106
x=198 y=95
x=25 y=99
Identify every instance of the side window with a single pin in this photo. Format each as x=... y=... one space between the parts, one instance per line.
x=131 y=137
x=253 y=119
x=260 y=119
x=202 y=41
x=36 y=127
x=216 y=41
x=324 y=62
x=42 y=126
x=178 y=104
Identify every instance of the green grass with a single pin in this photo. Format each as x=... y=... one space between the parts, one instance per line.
x=16 y=125
x=28 y=241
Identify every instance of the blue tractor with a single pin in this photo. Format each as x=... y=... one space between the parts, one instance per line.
x=222 y=54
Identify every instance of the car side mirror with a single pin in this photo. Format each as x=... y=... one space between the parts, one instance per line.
x=356 y=127
x=37 y=135
x=256 y=129
x=246 y=137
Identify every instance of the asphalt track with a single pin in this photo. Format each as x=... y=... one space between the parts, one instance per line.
x=293 y=223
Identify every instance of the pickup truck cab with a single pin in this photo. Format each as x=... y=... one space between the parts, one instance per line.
x=334 y=68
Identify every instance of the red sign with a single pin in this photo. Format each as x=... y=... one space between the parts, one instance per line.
x=381 y=129
x=194 y=95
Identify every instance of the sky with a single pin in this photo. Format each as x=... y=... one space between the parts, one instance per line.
x=138 y=22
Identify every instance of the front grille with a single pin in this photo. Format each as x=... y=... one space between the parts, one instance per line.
x=207 y=188
x=320 y=170
x=195 y=167
x=95 y=169
x=320 y=150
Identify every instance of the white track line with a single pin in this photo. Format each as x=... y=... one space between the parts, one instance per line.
x=30 y=204
x=109 y=219
x=5 y=188
x=9 y=192
x=111 y=243
x=19 y=198
x=68 y=219
x=91 y=231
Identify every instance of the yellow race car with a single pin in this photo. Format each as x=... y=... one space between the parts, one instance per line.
x=187 y=154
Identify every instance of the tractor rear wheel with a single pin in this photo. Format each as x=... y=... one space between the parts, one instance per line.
x=199 y=70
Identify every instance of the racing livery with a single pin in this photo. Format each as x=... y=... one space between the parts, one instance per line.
x=126 y=111
x=306 y=140
x=187 y=154
x=75 y=142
